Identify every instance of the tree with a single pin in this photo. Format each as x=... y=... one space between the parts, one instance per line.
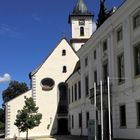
x=2 y=120
x=14 y=89
x=28 y=117
x=103 y=14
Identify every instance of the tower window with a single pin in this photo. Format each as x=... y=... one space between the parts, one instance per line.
x=81 y=31
x=63 y=52
x=81 y=22
x=64 y=69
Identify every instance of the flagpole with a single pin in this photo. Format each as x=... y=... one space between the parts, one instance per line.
x=95 y=109
x=109 y=108
x=102 y=126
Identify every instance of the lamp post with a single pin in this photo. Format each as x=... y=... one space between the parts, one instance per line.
x=95 y=109
x=109 y=108
x=102 y=125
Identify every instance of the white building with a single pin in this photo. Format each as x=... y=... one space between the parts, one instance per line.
x=114 y=51
x=49 y=90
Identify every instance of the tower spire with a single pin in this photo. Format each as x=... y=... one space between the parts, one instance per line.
x=80 y=8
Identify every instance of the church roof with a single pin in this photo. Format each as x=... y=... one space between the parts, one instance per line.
x=81 y=9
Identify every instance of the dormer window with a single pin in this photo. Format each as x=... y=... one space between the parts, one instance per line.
x=81 y=31
x=63 y=52
x=64 y=69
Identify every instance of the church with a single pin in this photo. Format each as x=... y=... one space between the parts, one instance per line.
x=49 y=89
x=62 y=86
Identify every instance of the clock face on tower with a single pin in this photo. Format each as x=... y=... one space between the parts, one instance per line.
x=47 y=84
x=81 y=22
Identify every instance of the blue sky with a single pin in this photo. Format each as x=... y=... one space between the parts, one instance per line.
x=30 y=29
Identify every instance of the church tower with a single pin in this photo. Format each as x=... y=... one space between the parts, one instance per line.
x=81 y=21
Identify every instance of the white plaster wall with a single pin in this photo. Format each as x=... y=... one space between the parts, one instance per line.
x=48 y=100
x=11 y=111
x=82 y=105
x=76 y=28
x=125 y=93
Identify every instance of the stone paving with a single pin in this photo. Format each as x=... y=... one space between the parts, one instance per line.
x=68 y=137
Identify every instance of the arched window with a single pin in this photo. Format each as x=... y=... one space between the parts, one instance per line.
x=81 y=31
x=64 y=69
x=63 y=52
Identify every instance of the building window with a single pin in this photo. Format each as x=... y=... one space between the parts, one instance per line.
x=121 y=72
x=122 y=115
x=72 y=121
x=79 y=89
x=64 y=69
x=72 y=94
x=75 y=91
x=138 y=113
x=105 y=46
x=69 y=94
x=81 y=22
x=87 y=119
x=94 y=54
x=105 y=72
x=63 y=52
x=119 y=34
x=87 y=85
x=136 y=20
x=80 y=120
x=137 y=59
x=95 y=77
x=86 y=61
x=81 y=31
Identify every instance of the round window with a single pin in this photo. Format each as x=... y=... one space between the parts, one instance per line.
x=47 y=84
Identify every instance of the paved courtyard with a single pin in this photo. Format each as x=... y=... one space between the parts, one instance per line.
x=68 y=137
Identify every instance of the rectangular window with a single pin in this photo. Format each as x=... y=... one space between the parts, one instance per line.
x=94 y=54
x=80 y=120
x=122 y=115
x=105 y=46
x=137 y=59
x=95 y=77
x=69 y=95
x=79 y=89
x=121 y=72
x=136 y=20
x=75 y=87
x=105 y=72
x=119 y=34
x=86 y=61
x=72 y=94
x=87 y=85
x=63 y=52
x=138 y=113
x=87 y=119
x=72 y=121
